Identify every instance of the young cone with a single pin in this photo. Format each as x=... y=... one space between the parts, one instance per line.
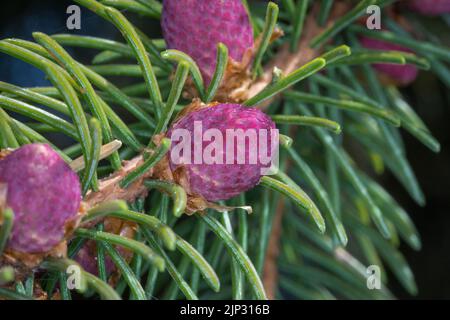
x=430 y=7
x=87 y=256
x=399 y=74
x=228 y=166
x=45 y=195
x=196 y=27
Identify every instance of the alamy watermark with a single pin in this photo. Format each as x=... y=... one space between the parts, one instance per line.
x=373 y=277
x=74 y=273
x=234 y=146
x=373 y=22
x=74 y=20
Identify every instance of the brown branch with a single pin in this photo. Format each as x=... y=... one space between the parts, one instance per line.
x=270 y=274
x=109 y=188
x=288 y=62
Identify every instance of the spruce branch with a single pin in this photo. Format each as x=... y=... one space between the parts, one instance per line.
x=319 y=91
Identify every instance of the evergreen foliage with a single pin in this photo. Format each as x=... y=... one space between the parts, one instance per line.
x=315 y=225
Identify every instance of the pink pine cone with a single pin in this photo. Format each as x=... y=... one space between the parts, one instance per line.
x=44 y=194
x=87 y=258
x=87 y=255
x=430 y=7
x=401 y=74
x=220 y=181
x=197 y=26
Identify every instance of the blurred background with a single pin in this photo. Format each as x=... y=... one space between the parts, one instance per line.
x=430 y=98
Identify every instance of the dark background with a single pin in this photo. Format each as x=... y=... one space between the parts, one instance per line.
x=431 y=266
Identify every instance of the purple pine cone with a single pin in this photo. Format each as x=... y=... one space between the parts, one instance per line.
x=87 y=258
x=209 y=173
x=400 y=74
x=87 y=255
x=44 y=194
x=430 y=7
x=197 y=26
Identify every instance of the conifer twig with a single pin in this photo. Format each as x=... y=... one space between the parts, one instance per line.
x=288 y=62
